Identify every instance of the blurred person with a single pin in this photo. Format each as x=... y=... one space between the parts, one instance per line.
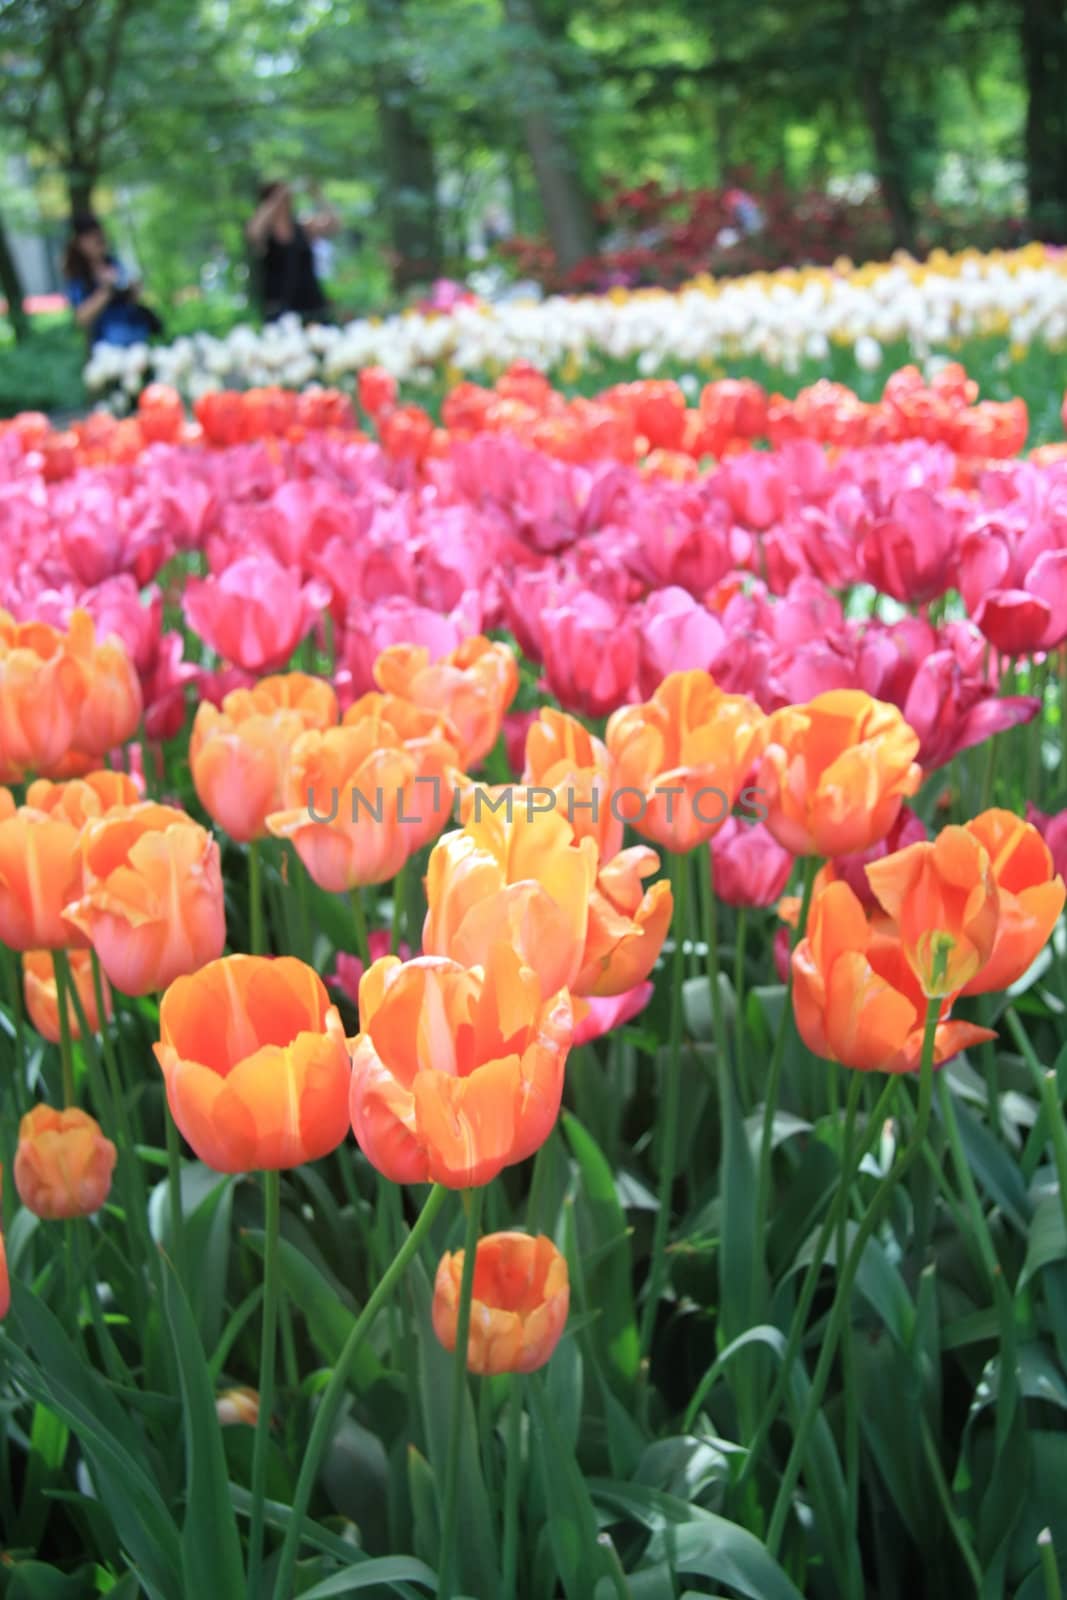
x=105 y=296
x=285 y=251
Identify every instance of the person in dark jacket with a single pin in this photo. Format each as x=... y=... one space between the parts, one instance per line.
x=285 y=255
x=105 y=297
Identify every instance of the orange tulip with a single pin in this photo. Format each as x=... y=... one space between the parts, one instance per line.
x=1030 y=894
x=433 y=743
x=255 y=1063
x=81 y=800
x=63 y=1164
x=627 y=924
x=112 y=708
x=835 y=771
x=564 y=756
x=313 y=699
x=942 y=897
x=458 y=1071
x=42 y=997
x=682 y=758
x=42 y=690
x=40 y=874
x=519 y=1305
x=359 y=800
x=473 y=686
x=151 y=902
x=855 y=995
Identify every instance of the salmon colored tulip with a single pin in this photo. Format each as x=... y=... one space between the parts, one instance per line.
x=1030 y=894
x=43 y=687
x=565 y=757
x=458 y=1071
x=434 y=744
x=113 y=705
x=82 y=800
x=627 y=924
x=942 y=897
x=519 y=1305
x=255 y=1063
x=42 y=996
x=835 y=771
x=855 y=994
x=151 y=902
x=63 y=1164
x=473 y=686
x=682 y=758
x=40 y=874
x=238 y=752
x=359 y=799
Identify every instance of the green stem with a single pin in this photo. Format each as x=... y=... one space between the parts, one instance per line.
x=445 y=1581
x=177 y=1213
x=774 y=1073
x=13 y=979
x=670 y=1110
x=359 y=917
x=256 y=930
x=739 y=1005
x=512 y=1481
x=330 y=1403
x=64 y=984
x=272 y=1215
x=1049 y=1566
x=847 y=1276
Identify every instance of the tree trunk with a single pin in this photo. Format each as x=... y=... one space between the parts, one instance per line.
x=80 y=184
x=410 y=196
x=1043 y=45
x=11 y=287
x=868 y=49
x=567 y=210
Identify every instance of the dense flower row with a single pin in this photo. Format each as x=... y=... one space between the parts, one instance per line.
x=782 y=317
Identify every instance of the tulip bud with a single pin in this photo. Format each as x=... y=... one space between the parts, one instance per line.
x=63 y=1164
x=520 y=1304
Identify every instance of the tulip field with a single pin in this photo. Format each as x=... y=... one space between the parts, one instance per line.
x=534 y=983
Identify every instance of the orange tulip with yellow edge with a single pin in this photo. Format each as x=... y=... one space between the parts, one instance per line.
x=684 y=757
x=151 y=901
x=63 y=1164
x=255 y=1063
x=835 y=772
x=42 y=994
x=942 y=898
x=473 y=686
x=457 y=1071
x=1030 y=897
x=856 y=998
x=43 y=687
x=562 y=755
x=519 y=1304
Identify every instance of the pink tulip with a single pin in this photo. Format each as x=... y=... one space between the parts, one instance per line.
x=255 y=614
x=602 y=1016
x=750 y=868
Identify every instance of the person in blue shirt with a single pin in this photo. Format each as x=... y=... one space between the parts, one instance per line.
x=106 y=300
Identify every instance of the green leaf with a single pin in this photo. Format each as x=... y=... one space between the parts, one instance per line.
x=323 y=1303
x=113 y=1447
x=211 y=1548
x=1048 y=1238
x=603 y=1234
x=993 y=1168
x=386 y=1570
x=32 y=1580
x=572 y=1522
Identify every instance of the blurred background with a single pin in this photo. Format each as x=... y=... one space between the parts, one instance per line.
x=525 y=146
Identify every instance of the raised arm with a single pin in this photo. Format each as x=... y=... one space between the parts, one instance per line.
x=258 y=228
x=325 y=222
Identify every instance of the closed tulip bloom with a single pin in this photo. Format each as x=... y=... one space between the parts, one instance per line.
x=63 y=1164
x=1030 y=897
x=151 y=903
x=516 y=877
x=113 y=706
x=627 y=924
x=40 y=874
x=42 y=996
x=835 y=772
x=684 y=756
x=750 y=867
x=473 y=686
x=458 y=1071
x=42 y=690
x=942 y=897
x=255 y=1062
x=519 y=1304
x=856 y=997
x=565 y=757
